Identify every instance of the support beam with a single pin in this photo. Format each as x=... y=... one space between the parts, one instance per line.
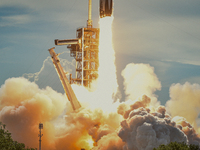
x=67 y=42
x=66 y=85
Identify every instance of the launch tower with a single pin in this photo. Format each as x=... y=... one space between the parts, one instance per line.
x=85 y=50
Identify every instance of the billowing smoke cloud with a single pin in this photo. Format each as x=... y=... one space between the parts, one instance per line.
x=109 y=142
x=185 y=101
x=23 y=106
x=140 y=79
x=145 y=130
x=87 y=126
x=188 y=129
x=130 y=125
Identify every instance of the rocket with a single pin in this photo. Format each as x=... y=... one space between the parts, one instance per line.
x=106 y=8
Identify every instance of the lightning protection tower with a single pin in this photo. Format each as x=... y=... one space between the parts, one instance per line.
x=40 y=135
x=85 y=50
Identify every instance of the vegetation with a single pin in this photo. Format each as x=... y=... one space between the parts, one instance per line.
x=6 y=141
x=177 y=146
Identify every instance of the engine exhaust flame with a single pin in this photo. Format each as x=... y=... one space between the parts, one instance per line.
x=107 y=69
x=105 y=87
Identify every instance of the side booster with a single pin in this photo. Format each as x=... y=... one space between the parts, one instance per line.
x=106 y=8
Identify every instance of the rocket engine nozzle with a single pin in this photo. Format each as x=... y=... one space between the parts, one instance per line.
x=106 y=8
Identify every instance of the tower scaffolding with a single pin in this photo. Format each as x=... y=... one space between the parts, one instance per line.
x=85 y=50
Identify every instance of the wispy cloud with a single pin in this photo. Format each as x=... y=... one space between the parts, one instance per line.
x=15 y=20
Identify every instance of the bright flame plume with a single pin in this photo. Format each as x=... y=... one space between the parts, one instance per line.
x=106 y=86
x=107 y=81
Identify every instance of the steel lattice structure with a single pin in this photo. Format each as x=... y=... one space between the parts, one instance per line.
x=86 y=55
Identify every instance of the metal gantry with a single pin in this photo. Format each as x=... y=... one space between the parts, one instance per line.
x=86 y=55
x=85 y=50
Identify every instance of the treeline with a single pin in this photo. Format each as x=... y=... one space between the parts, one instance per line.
x=177 y=146
x=6 y=141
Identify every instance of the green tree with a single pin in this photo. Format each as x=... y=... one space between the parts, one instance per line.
x=6 y=141
x=177 y=146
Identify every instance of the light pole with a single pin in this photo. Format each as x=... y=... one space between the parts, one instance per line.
x=40 y=134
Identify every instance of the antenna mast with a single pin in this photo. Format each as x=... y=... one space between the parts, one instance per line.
x=89 y=21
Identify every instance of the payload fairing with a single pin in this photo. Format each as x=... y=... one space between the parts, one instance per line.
x=106 y=8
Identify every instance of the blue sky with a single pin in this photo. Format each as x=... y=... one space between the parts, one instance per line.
x=164 y=34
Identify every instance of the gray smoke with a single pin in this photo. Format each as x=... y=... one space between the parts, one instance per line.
x=145 y=130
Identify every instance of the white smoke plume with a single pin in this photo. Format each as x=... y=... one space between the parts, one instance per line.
x=35 y=76
x=47 y=67
x=144 y=126
x=185 y=101
x=140 y=79
x=23 y=106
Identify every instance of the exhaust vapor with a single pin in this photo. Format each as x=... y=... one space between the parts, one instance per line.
x=140 y=79
x=133 y=126
x=188 y=97
x=145 y=130
x=24 y=106
x=103 y=123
